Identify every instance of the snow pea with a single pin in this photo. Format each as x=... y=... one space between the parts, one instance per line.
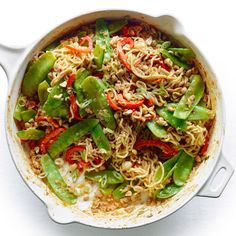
x=37 y=72
x=169 y=117
x=80 y=77
x=168 y=167
x=199 y=113
x=117 y=25
x=100 y=139
x=175 y=59
x=194 y=92
x=30 y=134
x=56 y=106
x=183 y=169
x=43 y=91
x=108 y=190
x=167 y=192
x=105 y=177
x=18 y=109
x=71 y=135
x=102 y=38
x=185 y=52
x=55 y=180
x=28 y=114
x=118 y=192
x=93 y=90
x=157 y=130
x=98 y=53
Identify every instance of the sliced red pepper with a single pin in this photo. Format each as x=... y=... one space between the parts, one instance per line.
x=204 y=146
x=74 y=106
x=127 y=104
x=48 y=119
x=149 y=102
x=97 y=160
x=166 y=148
x=163 y=65
x=133 y=30
x=33 y=144
x=70 y=151
x=70 y=81
x=112 y=104
x=120 y=51
x=49 y=137
x=89 y=40
x=81 y=165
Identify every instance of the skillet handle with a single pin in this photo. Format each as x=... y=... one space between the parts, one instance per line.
x=212 y=188
x=9 y=57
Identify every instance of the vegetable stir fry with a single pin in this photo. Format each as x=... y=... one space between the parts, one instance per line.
x=113 y=112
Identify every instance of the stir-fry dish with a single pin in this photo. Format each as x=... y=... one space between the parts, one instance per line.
x=117 y=113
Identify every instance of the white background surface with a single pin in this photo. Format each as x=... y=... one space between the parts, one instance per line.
x=212 y=26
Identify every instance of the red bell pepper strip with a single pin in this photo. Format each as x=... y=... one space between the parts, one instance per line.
x=74 y=106
x=112 y=104
x=89 y=40
x=149 y=102
x=204 y=146
x=166 y=148
x=82 y=164
x=127 y=104
x=163 y=65
x=133 y=31
x=70 y=151
x=120 y=51
x=49 y=137
x=48 y=119
x=70 y=81
x=97 y=160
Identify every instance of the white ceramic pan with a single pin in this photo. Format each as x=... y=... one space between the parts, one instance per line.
x=14 y=62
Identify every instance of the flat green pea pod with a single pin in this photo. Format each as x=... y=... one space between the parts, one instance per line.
x=56 y=181
x=174 y=59
x=167 y=192
x=36 y=73
x=183 y=169
x=157 y=130
x=71 y=135
x=30 y=134
x=185 y=52
x=28 y=114
x=168 y=168
x=102 y=38
x=93 y=90
x=80 y=77
x=200 y=113
x=55 y=105
x=101 y=140
x=43 y=92
x=118 y=192
x=168 y=116
x=18 y=109
x=117 y=25
x=108 y=190
x=98 y=53
x=105 y=177
x=191 y=98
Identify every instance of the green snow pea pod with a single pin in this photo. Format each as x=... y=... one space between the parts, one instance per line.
x=55 y=105
x=185 y=52
x=93 y=90
x=43 y=91
x=169 y=118
x=108 y=190
x=30 y=134
x=157 y=130
x=100 y=139
x=118 y=192
x=55 y=180
x=117 y=25
x=168 y=167
x=175 y=59
x=191 y=98
x=199 y=113
x=183 y=169
x=98 y=53
x=105 y=177
x=71 y=135
x=28 y=114
x=36 y=73
x=167 y=192
x=18 y=109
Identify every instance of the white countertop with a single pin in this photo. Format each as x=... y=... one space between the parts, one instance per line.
x=212 y=25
